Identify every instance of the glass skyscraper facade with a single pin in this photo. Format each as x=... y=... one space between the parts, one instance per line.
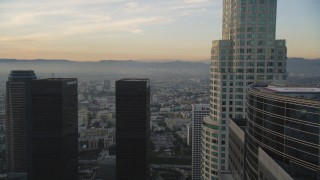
x=18 y=120
x=248 y=53
x=55 y=129
x=132 y=129
x=285 y=123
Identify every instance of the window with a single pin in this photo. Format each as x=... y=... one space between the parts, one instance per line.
x=250 y=63
x=239 y=96
x=250 y=70
x=239 y=109
x=240 y=103
x=270 y=64
x=224 y=83
x=239 y=76
x=239 y=90
x=250 y=77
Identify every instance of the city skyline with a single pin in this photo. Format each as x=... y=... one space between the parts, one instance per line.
x=140 y=30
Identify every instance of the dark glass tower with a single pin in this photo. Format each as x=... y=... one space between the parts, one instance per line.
x=18 y=120
x=54 y=130
x=132 y=128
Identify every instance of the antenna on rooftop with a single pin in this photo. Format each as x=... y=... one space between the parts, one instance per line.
x=52 y=75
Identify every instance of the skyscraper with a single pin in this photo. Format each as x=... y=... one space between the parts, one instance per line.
x=55 y=129
x=247 y=53
x=18 y=120
x=199 y=111
x=284 y=122
x=132 y=129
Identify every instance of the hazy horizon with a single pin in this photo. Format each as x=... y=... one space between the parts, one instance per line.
x=137 y=60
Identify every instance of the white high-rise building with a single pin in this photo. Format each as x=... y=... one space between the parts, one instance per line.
x=199 y=111
x=248 y=53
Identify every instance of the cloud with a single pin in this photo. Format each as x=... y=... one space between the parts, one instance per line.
x=116 y=25
x=195 y=1
x=50 y=19
x=137 y=31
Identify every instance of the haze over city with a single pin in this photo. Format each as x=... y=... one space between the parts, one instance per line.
x=91 y=30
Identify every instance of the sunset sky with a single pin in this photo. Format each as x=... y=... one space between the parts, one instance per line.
x=91 y=30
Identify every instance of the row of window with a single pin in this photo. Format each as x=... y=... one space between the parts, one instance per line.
x=254 y=29
x=255 y=8
x=244 y=15
x=248 y=57
x=224 y=83
x=249 y=50
x=243 y=43
x=243 y=2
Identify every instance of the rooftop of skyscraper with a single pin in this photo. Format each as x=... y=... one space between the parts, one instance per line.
x=55 y=79
x=133 y=79
x=311 y=93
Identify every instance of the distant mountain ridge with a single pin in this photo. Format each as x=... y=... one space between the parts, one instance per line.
x=294 y=59
x=304 y=67
x=34 y=60
x=295 y=66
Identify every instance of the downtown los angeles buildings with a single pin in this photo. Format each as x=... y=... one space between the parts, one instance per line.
x=248 y=53
x=281 y=139
x=283 y=124
x=55 y=129
x=18 y=121
x=41 y=127
x=132 y=129
x=199 y=111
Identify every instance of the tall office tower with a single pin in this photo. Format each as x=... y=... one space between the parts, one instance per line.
x=132 y=129
x=283 y=123
x=55 y=129
x=18 y=120
x=199 y=111
x=247 y=53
